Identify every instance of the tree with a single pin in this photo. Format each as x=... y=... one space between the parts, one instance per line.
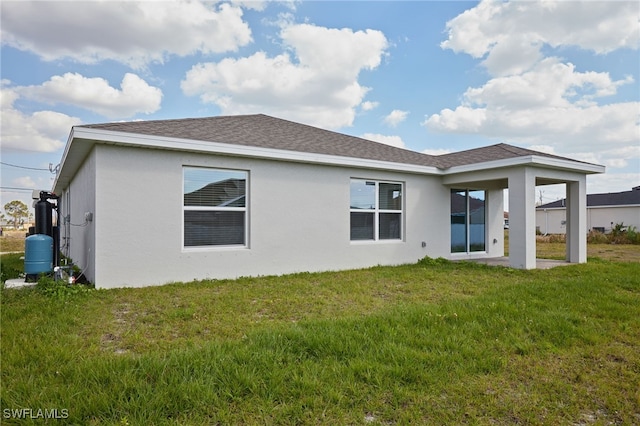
x=17 y=211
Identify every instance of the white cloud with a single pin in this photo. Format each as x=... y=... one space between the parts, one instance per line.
x=550 y=105
x=369 y=105
x=510 y=35
x=543 y=102
x=616 y=163
x=95 y=94
x=341 y=52
x=462 y=120
x=24 y=182
x=9 y=95
x=565 y=128
x=135 y=33
x=258 y=5
x=550 y=83
x=42 y=131
x=314 y=81
x=438 y=151
x=544 y=148
x=385 y=139
x=619 y=159
x=611 y=182
x=396 y=117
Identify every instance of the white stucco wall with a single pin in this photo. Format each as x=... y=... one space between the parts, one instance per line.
x=550 y=221
x=77 y=237
x=298 y=219
x=495 y=222
x=603 y=216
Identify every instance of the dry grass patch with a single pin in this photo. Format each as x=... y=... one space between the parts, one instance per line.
x=12 y=241
x=554 y=247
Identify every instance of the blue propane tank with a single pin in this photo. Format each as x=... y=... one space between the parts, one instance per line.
x=38 y=254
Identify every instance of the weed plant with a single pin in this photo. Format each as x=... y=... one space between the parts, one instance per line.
x=59 y=289
x=431 y=343
x=620 y=234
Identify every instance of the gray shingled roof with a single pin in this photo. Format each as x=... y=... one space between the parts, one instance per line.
x=624 y=198
x=501 y=151
x=269 y=132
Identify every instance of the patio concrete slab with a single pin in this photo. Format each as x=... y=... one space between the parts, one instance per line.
x=17 y=283
x=504 y=261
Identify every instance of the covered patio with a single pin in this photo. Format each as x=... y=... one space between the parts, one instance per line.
x=521 y=176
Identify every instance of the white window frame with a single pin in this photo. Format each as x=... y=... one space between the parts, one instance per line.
x=245 y=209
x=377 y=211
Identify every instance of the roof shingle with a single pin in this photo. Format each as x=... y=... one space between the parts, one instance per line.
x=263 y=131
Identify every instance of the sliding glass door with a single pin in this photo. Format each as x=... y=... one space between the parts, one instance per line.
x=468 y=223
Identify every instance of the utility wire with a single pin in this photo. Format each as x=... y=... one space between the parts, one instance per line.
x=12 y=188
x=23 y=167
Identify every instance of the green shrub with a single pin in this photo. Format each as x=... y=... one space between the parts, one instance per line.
x=429 y=261
x=617 y=230
x=621 y=234
x=633 y=236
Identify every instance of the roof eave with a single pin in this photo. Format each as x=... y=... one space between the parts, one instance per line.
x=69 y=163
x=533 y=160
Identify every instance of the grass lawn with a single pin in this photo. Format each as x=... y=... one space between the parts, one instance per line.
x=430 y=343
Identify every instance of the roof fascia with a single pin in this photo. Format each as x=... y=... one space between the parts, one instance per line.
x=68 y=166
x=614 y=206
x=529 y=160
x=608 y=206
x=190 y=145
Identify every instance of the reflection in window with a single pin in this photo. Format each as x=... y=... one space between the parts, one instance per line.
x=458 y=221
x=376 y=210
x=468 y=224
x=214 y=205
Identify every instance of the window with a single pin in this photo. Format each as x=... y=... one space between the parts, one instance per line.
x=376 y=210
x=214 y=207
x=468 y=221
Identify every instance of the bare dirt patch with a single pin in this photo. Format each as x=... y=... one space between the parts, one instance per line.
x=112 y=341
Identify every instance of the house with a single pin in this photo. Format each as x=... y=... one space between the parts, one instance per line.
x=604 y=211
x=151 y=202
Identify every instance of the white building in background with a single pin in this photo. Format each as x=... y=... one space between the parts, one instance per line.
x=604 y=211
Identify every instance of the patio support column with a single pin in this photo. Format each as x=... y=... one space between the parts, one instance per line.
x=522 y=218
x=577 y=221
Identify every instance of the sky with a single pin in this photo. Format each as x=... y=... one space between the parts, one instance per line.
x=560 y=77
